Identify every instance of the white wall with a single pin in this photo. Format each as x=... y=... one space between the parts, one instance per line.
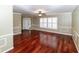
x=16 y=23
x=64 y=24
x=6 y=28
x=75 y=26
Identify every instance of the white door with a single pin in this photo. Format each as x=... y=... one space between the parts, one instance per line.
x=26 y=23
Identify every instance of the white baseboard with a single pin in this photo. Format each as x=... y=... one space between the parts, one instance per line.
x=51 y=31
x=7 y=50
x=17 y=33
x=62 y=33
x=75 y=45
x=76 y=38
x=5 y=35
x=28 y=29
x=5 y=39
x=16 y=30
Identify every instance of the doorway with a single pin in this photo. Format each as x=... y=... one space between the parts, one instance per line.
x=26 y=23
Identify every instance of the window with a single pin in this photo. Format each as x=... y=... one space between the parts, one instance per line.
x=43 y=22
x=50 y=22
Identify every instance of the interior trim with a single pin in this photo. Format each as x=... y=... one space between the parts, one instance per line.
x=74 y=38
x=51 y=31
x=7 y=50
x=2 y=36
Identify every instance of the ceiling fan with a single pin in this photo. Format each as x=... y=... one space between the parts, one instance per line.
x=40 y=12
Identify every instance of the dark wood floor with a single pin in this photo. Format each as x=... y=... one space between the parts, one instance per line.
x=42 y=42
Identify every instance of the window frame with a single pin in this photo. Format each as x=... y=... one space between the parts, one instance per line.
x=52 y=23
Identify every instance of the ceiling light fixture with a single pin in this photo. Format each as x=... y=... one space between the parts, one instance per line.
x=40 y=12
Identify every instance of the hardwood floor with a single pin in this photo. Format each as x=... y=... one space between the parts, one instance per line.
x=42 y=42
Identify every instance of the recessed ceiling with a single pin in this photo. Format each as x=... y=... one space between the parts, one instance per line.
x=51 y=9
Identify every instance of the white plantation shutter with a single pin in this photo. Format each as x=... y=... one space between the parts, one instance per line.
x=43 y=22
x=50 y=22
x=54 y=23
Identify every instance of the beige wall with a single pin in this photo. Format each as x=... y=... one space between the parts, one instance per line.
x=6 y=28
x=64 y=24
x=75 y=26
x=16 y=23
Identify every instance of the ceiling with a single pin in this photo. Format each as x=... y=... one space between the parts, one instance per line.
x=51 y=9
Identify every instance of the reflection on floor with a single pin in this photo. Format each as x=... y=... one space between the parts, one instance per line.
x=42 y=42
